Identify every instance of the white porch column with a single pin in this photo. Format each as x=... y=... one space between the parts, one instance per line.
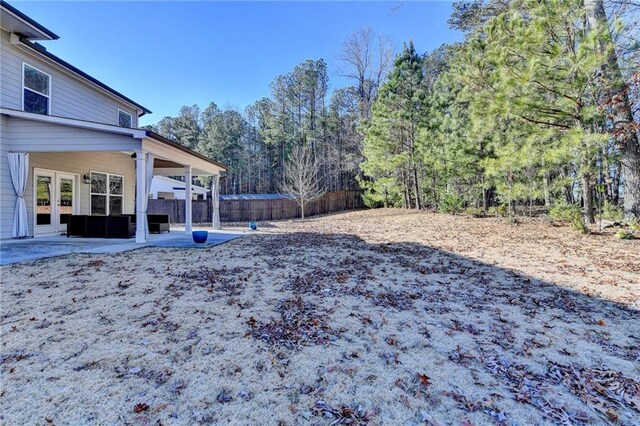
x=141 y=195
x=187 y=199
x=215 y=201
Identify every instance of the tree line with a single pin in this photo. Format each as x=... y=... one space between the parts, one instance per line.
x=538 y=106
x=257 y=144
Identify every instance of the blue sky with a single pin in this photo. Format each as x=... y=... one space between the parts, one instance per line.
x=165 y=54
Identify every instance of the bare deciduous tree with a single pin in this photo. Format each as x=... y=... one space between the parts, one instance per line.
x=361 y=65
x=301 y=177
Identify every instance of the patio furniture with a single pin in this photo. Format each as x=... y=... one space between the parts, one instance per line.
x=158 y=223
x=88 y=226
x=120 y=226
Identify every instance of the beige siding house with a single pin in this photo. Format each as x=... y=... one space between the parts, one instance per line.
x=69 y=144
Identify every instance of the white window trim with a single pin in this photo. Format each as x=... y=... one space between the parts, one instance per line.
x=108 y=194
x=25 y=64
x=130 y=117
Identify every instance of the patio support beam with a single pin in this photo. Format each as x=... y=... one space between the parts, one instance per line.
x=187 y=199
x=141 y=214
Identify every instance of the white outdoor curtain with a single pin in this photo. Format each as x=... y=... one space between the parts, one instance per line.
x=147 y=188
x=215 y=201
x=19 y=170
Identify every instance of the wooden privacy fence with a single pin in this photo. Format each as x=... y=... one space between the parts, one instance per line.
x=200 y=210
x=245 y=210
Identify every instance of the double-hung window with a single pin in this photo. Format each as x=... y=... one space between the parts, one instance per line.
x=106 y=193
x=36 y=90
x=124 y=118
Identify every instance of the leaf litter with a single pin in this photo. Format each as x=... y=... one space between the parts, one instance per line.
x=374 y=317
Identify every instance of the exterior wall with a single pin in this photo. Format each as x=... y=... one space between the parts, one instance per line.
x=162 y=186
x=163 y=195
x=81 y=163
x=70 y=96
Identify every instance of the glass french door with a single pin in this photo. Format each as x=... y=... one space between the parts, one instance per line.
x=55 y=201
x=65 y=197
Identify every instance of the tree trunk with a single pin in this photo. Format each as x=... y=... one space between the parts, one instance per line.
x=547 y=196
x=417 y=187
x=587 y=196
x=631 y=176
x=405 y=190
x=615 y=185
x=627 y=137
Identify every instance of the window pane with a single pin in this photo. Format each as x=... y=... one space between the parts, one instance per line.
x=35 y=103
x=36 y=80
x=43 y=200
x=98 y=183
x=115 y=205
x=98 y=204
x=124 y=119
x=66 y=199
x=115 y=185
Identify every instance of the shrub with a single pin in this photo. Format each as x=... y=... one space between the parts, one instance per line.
x=474 y=211
x=451 y=203
x=612 y=212
x=571 y=214
x=564 y=212
x=579 y=225
x=625 y=234
x=629 y=233
x=500 y=210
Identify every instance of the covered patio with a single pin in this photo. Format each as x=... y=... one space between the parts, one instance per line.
x=60 y=157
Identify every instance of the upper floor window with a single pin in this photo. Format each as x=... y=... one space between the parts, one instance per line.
x=36 y=90
x=124 y=118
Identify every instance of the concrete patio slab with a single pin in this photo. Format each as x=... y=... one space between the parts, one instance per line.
x=23 y=250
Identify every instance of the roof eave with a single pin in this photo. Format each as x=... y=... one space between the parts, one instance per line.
x=47 y=33
x=43 y=51
x=160 y=138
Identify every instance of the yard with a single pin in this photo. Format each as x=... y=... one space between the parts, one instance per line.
x=384 y=317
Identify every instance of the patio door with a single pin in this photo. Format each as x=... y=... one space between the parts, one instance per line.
x=65 y=197
x=55 y=200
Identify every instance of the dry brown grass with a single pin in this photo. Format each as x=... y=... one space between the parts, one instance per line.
x=382 y=317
